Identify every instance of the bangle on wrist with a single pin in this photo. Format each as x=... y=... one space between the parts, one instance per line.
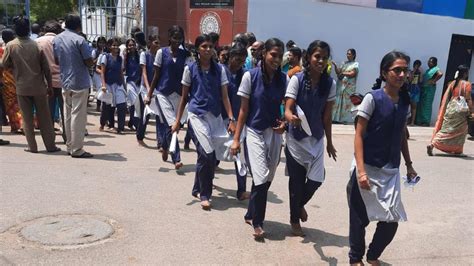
x=364 y=174
x=408 y=163
x=231 y=119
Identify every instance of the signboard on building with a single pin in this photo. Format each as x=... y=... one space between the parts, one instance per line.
x=212 y=3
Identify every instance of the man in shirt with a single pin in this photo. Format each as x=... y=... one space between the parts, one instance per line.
x=31 y=69
x=294 y=59
x=74 y=56
x=45 y=43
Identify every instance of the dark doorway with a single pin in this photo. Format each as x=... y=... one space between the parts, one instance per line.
x=460 y=53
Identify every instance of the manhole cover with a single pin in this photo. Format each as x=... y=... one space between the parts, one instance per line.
x=67 y=230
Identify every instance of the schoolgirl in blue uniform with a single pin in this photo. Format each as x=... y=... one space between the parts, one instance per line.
x=205 y=84
x=374 y=186
x=146 y=63
x=113 y=82
x=233 y=65
x=169 y=66
x=133 y=72
x=262 y=90
x=313 y=92
x=96 y=53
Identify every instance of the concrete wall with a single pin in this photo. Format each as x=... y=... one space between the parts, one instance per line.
x=372 y=32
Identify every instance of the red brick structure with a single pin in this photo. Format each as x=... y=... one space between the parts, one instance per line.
x=228 y=20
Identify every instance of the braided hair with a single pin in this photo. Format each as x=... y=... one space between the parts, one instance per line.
x=269 y=45
x=325 y=85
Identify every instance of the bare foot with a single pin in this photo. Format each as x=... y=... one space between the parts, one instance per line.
x=101 y=128
x=206 y=205
x=296 y=229
x=141 y=143
x=244 y=196
x=374 y=262
x=303 y=215
x=360 y=263
x=258 y=233
x=178 y=165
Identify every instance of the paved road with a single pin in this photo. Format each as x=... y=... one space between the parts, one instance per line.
x=157 y=221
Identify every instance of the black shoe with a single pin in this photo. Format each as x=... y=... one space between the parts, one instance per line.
x=4 y=142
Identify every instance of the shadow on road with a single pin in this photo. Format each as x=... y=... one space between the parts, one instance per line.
x=93 y=143
x=15 y=145
x=468 y=157
x=99 y=136
x=278 y=232
x=226 y=199
x=117 y=157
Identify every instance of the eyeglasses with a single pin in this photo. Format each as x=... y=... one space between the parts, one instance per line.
x=399 y=70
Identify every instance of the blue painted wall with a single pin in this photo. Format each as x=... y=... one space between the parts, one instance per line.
x=452 y=8
x=405 y=5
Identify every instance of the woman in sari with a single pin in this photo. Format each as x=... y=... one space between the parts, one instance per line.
x=431 y=76
x=450 y=130
x=12 y=108
x=346 y=85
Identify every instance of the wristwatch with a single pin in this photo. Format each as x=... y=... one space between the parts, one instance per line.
x=232 y=119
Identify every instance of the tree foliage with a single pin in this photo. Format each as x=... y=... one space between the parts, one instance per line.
x=43 y=10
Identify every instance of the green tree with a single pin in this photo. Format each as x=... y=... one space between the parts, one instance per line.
x=43 y=10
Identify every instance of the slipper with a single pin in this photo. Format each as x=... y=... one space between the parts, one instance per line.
x=84 y=155
x=56 y=149
x=28 y=150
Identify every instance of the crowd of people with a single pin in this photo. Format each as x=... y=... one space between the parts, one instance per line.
x=243 y=103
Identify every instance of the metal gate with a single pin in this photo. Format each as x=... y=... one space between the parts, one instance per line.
x=12 y=8
x=111 y=18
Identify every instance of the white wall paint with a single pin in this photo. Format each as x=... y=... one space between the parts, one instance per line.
x=372 y=32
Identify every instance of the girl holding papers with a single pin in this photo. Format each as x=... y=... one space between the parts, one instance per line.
x=146 y=63
x=169 y=65
x=262 y=91
x=309 y=98
x=234 y=70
